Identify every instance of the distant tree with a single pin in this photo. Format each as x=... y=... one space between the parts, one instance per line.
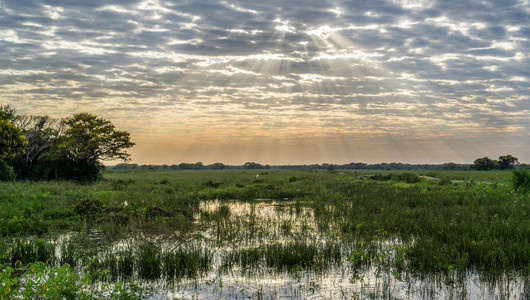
x=125 y=166
x=483 y=164
x=185 y=166
x=507 y=161
x=188 y=166
x=450 y=166
x=217 y=166
x=87 y=140
x=331 y=167
x=249 y=165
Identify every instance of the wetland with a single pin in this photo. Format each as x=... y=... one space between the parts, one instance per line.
x=212 y=234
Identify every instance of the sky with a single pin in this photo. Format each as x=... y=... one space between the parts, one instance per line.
x=279 y=81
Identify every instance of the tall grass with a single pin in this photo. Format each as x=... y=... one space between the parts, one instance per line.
x=474 y=221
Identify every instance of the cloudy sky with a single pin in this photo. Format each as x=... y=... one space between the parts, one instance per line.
x=279 y=81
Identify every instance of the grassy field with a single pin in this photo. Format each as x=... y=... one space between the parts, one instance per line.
x=137 y=227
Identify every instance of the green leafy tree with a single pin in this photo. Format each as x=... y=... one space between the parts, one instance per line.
x=11 y=142
x=507 y=161
x=87 y=140
x=249 y=165
x=483 y=164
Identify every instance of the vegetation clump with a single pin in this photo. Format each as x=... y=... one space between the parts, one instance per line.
x=521 y=180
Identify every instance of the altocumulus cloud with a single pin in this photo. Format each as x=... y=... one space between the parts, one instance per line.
x=393 y=73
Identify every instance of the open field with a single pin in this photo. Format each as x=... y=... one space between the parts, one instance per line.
x=267 y=234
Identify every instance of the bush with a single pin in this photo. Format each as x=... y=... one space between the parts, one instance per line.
x=521 y=180
x=409 y=177
x=89 y=208
x=6 y=172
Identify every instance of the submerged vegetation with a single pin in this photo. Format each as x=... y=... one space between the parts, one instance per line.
x=139 y=232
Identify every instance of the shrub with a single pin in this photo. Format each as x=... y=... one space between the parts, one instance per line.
x=521 y=180
x=6 y=172
x=89 y=208
x=409 y=177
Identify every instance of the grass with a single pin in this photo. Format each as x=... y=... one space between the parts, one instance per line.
x=439 y=222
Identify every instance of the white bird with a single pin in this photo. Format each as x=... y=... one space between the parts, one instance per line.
x=257 y=175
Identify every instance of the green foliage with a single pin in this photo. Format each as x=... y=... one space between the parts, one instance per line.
x=51 y=283
x=149 y=261
x=11 y=142
x=408 y=177
x=181 y=263
x=289 y=257
x=44 y=148
x=250 y=165
x=8 y=283
x=476 y=223
x=60 y=282
x=483 y=164
x=88 y=139
x=217 y=166
x=507 y=161
x=89 y=208
x=6 y=172
x=32 y=251
x=11 y=139
x=40 y=133
x=521 y=180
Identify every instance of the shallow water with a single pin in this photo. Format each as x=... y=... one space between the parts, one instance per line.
x=233 y=227
x=337 y=281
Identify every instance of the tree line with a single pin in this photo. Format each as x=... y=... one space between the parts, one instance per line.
x=40 y=147
x=504 y=162
x=324 y=166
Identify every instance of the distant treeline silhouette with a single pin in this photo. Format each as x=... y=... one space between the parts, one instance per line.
x=325 y=166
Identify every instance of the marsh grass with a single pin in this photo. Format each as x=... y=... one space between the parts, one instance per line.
x=289 y=221
x=29 y=251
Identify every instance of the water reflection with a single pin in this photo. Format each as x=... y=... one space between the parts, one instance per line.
x=236 y=227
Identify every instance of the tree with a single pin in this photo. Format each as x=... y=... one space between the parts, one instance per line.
x=7 y=112
x=483 y=164
x=249 y=165
x=450 y=166
x=11 y=142
x=217 y=166
x=40 y=133
x=87 y=140
x=507 y=161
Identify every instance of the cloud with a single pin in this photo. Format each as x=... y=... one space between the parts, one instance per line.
x=417 y=67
